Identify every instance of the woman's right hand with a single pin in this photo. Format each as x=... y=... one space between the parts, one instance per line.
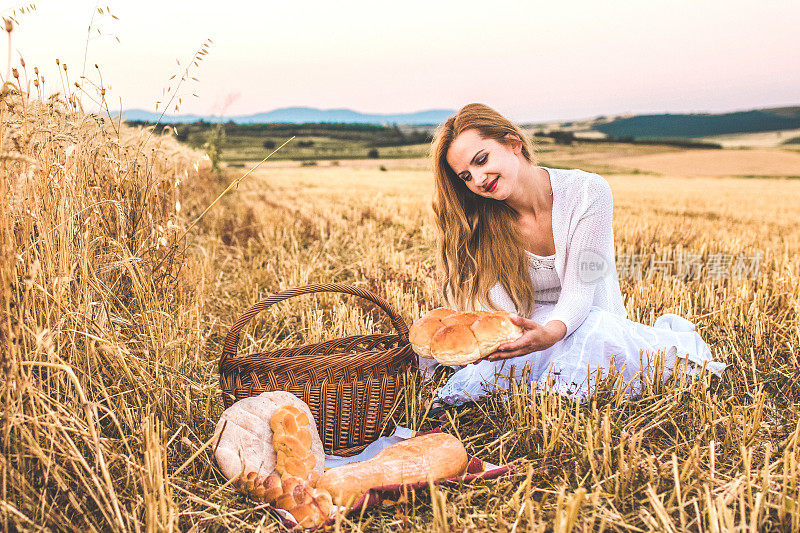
x=535 y=337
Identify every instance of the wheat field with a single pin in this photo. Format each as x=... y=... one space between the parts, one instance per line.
x=114 y=306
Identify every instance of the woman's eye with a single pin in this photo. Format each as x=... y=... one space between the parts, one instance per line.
x=482 y=159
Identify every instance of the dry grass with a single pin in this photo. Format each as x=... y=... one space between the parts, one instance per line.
x=100 y=329
x=733 y=162
x=110 y=330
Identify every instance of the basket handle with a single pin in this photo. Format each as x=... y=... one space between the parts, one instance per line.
x=232 y=339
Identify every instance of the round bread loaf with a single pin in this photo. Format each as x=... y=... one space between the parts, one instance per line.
x=246 y=444
x=459 y=338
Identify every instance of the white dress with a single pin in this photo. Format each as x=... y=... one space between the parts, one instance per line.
x=571 y=366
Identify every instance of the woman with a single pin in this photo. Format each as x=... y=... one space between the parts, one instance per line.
x=538 y=242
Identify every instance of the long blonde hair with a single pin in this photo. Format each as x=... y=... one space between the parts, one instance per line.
x=479 y=241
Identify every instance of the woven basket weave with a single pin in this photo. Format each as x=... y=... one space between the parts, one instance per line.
x=350 y=384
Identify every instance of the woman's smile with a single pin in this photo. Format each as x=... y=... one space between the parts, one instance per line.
x=493 y=185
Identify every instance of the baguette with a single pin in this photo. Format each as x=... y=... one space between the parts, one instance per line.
x=434 y=456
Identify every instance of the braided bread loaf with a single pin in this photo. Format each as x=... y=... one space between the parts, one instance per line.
x=294 y=490
x=460 y=338
x=246 y=444
x=310 y=507
x=271 y=448
x=291 y=441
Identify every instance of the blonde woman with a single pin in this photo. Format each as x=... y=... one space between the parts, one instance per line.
x=538 y=242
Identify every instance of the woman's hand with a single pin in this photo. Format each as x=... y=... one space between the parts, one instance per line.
x=535 y=337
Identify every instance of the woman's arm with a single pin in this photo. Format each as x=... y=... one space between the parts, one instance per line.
x=557 y=328
x=586 y=249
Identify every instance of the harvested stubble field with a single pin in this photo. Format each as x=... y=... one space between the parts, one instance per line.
x=112 y=325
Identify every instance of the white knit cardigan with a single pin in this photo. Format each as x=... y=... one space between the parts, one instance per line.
x=583 y=209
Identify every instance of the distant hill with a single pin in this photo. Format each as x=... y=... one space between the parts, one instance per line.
x=702 y=124
x=791 y=112
x=299 y=115
x=662 y=126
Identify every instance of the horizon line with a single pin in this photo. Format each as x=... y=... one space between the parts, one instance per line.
x=428 y=110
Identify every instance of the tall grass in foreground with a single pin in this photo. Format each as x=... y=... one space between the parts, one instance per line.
x=110 y=330
x=100 y=330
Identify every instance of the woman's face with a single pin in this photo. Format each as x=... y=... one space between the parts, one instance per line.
x=488 y=168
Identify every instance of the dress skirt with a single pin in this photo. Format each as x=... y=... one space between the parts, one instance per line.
x=572 y=365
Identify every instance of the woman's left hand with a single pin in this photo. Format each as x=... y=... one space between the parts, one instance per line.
x=535 y=337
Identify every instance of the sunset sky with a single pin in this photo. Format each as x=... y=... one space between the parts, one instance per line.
x=531 y=60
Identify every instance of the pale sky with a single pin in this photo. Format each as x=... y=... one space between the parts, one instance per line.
x=530 y=60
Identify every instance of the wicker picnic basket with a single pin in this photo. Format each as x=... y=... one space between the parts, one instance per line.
x=350 y=384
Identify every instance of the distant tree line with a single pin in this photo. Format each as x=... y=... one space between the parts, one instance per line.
x=569 y=137
x=372 y=134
